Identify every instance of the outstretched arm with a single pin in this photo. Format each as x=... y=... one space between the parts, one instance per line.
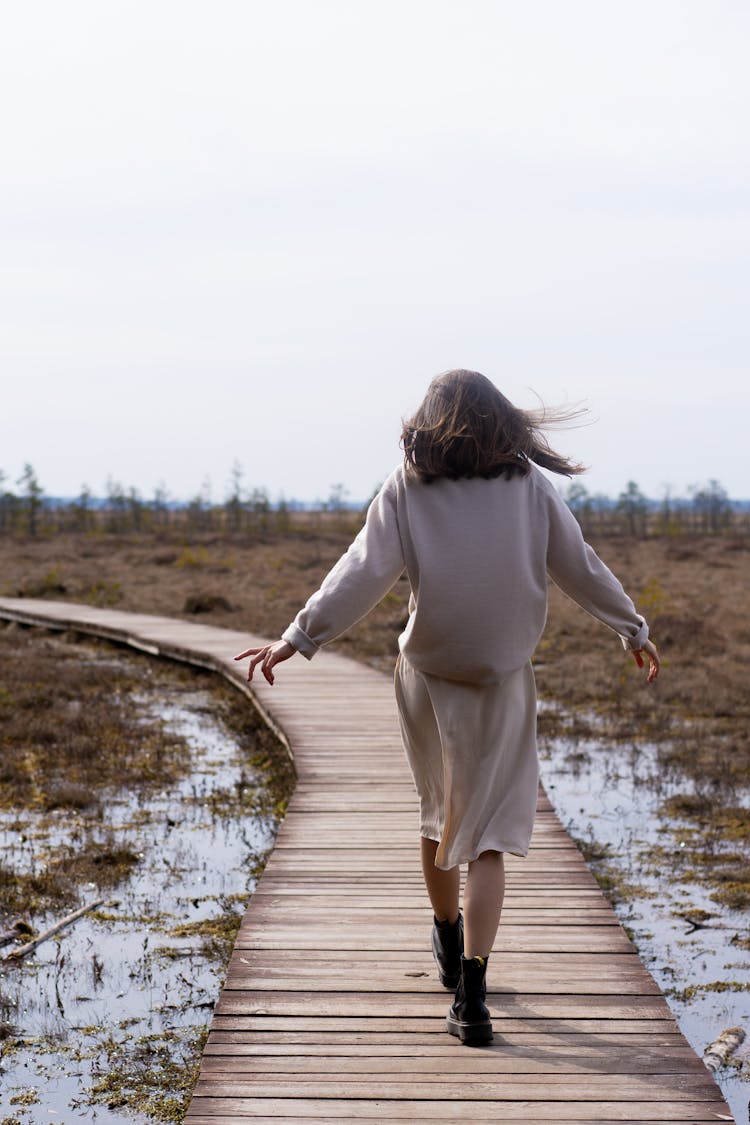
x=358 y=581
x=267 y=657
x=579 y=572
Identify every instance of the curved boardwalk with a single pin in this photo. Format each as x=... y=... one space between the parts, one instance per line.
x=332 y=1010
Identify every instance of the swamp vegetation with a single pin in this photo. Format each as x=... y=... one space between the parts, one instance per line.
x=157 y=789
x=654 y=782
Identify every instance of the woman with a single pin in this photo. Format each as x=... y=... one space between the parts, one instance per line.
x=479 y=531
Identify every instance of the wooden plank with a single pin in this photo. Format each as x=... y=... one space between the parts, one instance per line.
x=288 y=936
x=516 y=1061
x=260 y=1118
x=332 y=1011
x=409 y=983
x=562 y=898
x=380 y=1044
x=431 y=1029
x=334 y=911
x=363 y=1004
x=467 y=1086
x=228 y=1110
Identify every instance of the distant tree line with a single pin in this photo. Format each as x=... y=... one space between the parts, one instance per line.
x=26 y=510
x=707 y=510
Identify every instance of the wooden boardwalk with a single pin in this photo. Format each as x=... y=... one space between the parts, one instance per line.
x=332 y=1010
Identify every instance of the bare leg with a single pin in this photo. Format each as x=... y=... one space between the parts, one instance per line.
x=483 y=901
x=442 y=886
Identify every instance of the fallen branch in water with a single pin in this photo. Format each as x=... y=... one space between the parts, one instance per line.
x=30 y=946
x=717 y=1053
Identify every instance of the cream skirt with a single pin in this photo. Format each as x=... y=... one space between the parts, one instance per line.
x=472 y=752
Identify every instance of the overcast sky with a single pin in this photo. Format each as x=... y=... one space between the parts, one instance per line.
x=244 y=231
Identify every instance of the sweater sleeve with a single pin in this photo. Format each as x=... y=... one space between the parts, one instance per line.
x=576 y=568
x=357 y=582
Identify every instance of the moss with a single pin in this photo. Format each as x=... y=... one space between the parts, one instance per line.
x=32 y=893
x=153 y=1075
x=614 y=884
x=686 y=805
x=686 y=994
x=218 y=933
x=25 y=1097
x=735 y=896
x=63 y=742
x=701 y=860
x=66 y=753
x=58 y=883
x=727 y=822
x=64 y=795
x=106 y=917
x=105 y=866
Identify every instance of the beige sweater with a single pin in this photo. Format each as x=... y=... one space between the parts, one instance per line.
x=478 y=554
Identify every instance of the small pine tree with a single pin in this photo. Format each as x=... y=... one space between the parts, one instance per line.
x=233 y=505
x=32 y=494
x=633 y=505
x=81 y=509
x=579 y=501
x=712 y=507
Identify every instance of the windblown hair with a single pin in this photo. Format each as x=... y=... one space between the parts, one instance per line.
x=466 y=428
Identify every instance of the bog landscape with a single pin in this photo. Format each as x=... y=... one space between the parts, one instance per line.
x=101 y=770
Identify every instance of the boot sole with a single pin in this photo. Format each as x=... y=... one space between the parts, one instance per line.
x=470 y=1034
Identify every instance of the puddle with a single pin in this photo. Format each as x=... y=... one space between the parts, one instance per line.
x=120 y=1001
x=608 y=796
x=105 y=1022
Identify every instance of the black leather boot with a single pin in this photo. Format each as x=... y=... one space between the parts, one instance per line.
x=447 y=948
x=469 y=1017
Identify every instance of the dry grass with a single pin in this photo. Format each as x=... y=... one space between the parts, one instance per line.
x=71 y=732
x=69 y=726
x=694 y=592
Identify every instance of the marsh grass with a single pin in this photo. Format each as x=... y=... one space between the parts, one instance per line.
x=694 y=591
x=80 y=738
x=70 y=726
x=152 y=1074
x=71 y=731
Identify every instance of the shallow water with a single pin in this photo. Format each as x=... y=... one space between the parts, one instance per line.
x=608 y=796
x=117 y=992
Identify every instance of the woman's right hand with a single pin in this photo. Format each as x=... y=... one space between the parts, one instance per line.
x=654 y=664
x=267 y=657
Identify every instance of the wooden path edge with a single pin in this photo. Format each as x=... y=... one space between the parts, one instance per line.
x=331 y=1011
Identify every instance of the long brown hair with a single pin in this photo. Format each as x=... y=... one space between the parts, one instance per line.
x=466 y=428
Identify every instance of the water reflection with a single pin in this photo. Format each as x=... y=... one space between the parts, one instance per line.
x=127 y=991
x=609 y=797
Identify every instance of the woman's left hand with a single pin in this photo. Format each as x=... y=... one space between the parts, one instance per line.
x=267 y=657
x=653 y=659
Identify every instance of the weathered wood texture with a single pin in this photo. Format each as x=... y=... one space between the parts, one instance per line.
x=332 y=1011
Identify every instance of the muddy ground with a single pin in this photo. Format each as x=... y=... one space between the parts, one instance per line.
x=694 y=591
x=119 y=776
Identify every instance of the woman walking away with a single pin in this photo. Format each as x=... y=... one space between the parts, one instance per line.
x=479 y=531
